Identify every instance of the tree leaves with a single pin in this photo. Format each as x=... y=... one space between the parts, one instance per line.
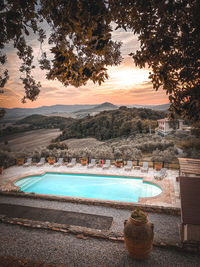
x=81 y=44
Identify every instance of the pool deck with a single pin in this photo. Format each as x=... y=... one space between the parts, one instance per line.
x=168 y=198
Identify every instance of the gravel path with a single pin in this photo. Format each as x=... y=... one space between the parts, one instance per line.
x=165 y=226
x=68 y=250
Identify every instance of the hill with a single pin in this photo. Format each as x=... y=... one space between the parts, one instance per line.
x=163 y=107
x=41 y=121
x=65 y=110
x=114 y=123
x=95 y=110
x=73 y=111
x=37 y=121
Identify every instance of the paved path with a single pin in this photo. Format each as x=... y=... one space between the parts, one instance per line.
x=70 y=251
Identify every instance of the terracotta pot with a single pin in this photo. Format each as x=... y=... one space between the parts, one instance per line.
x=51 y=161
x=118 y=164
x=20 y=161
x=84 y=162
x=138 y=237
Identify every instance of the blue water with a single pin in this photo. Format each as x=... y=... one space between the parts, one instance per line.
x=89 y=186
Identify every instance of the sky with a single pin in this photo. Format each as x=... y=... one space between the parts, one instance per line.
x=127 y=84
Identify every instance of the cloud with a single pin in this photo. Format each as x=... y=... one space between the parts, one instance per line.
x=127 y=84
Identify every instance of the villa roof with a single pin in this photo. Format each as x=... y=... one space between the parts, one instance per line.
x=165 y=119
x=189 y=166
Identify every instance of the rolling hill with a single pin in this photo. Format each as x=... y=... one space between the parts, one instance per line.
x=113 y=123
x=73 y=111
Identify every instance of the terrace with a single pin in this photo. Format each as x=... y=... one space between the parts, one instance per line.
x=170 y=187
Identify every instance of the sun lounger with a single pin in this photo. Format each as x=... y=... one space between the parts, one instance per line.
x=92 y=163
x=129 y=165
x=72 y=163
x=41 y=162
x=59 y=162
x=145 y=167
x=106 y=165
x=160 y=175
x=28 y=162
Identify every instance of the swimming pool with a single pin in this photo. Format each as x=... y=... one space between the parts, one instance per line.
x=89 y=186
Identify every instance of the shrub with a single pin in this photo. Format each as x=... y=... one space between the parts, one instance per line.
x=57 y=145
x=167 y=155
x=7 y=159
x=195 y=131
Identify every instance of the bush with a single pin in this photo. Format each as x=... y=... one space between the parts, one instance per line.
x=167 y=155
x=191 y=147
x=193 y=143
x=57 y=145
x=195 y=131
x=7 y=159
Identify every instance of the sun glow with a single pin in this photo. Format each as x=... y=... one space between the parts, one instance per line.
x=130 y=77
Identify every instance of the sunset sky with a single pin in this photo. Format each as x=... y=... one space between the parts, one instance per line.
x=126 y=84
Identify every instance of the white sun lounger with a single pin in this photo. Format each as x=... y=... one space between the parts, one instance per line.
x=145 y=167
x=41 y=162
x=129 y=165
x=92 y=163
x=59 y=162
x=160 y=175
x=28 y=162
x=72 y=163
x=106 y=165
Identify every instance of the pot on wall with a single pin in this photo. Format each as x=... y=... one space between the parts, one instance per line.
x=20 y=161
x=84 y=161
x=51 y=160
x=119 y=163
x=138 y=234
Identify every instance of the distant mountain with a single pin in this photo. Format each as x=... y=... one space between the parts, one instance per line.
x=41 y=121
x=95 y=110
x=73 y=111
x=163 y=107
x=106 y=105
x=55 y=110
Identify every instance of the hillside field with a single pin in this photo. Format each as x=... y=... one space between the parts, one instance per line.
x=29 y=141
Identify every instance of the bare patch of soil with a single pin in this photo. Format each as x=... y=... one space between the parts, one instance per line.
x=29 y=141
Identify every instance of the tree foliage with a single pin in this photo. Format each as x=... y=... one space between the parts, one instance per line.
x=113 y=123
x=82 y=46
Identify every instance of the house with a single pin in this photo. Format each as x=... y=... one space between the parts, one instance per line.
x=165 y=128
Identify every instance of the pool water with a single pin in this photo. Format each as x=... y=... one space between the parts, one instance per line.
x=89 y=186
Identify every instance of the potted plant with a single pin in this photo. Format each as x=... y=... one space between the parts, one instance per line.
x=51 y=160
x=119 y=163
x=138 y=234
x=20 y=161
x=84 y=161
